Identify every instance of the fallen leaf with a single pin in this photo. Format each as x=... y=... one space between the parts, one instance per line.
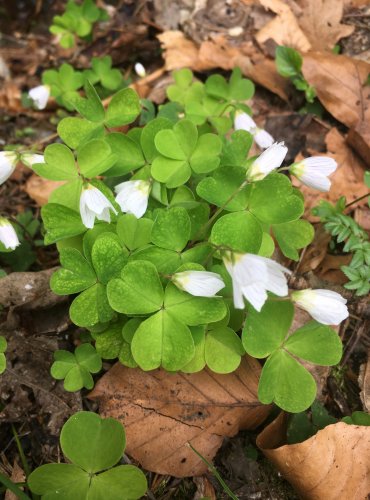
x=180 y=52
x=364 y=382
x=315 y=253
x=162 y=412
x=338 y=81
x=18 y=476
x=334 y=464
x=40 y=189
x=340 y=85
x=346 y=181
x=205 y=489
x=284 y=28
x=321 y=22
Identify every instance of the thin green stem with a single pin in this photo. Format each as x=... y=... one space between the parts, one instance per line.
x=357 y=199
x=218 y=211
x=8 y=483
x=21 y=452
x=215 y=472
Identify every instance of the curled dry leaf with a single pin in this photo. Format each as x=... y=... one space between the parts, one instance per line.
x=40 y=189
x=321 y=22
x=284 y=28
x=340 y=85
x=180 y=52
x=162 y=412
x=333 y=464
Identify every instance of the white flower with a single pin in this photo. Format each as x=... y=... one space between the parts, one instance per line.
x=8 y=162
x=314 y=171
x=244 y=122
x=252 y=275
x=325 y=306
x=8 y=236
x=199 y=283
x=132 y=197
x=140 y=70
x=93 y=203
x=29 y=159
x=267 y=161
x=40 y=96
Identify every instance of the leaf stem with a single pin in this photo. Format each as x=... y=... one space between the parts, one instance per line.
x=215 y=472
x=218 y=211
x=357 y=199
x=8 y=483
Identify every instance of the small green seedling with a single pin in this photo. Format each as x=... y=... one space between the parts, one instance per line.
x=306 y=424
x=76 y=368
x=3 y=346
x=93 y=446
x=102 y=73
x=357 y=418
x=355 y=239
x=289 y=65
x=77 y=21
x=64 y=84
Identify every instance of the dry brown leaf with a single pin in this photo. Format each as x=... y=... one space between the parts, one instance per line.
x=332 y=465
x=180 y=52
x=284 y=28
x=40 y=189
x=338 y=81
x=346 y=181
x=321 y=22
x=364 y=382
x=18 y=476
x=162 y=412
x=340 y=85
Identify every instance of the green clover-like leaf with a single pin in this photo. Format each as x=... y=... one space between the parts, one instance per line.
x=76 y=368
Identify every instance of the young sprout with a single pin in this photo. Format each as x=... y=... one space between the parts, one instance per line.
x=243 y=121
x=132 y=197
x=40 y=96
x=252 y=276
x=325 y=306
x=8 y=236
x=314 y=171
x=94 y=204
x=267 y=161
x=199 y=283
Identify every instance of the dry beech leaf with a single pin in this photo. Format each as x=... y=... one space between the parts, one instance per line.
x=364 y=381
x=40 y=189
x=346 y=181
x=340 y=85
x=180 y=52
x=321 y=22
x=162 y=412
x=334 y=464
x=284 y=28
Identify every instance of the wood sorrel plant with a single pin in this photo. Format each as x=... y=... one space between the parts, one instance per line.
x=163 y=270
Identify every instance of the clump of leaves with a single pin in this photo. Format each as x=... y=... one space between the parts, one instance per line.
x=102 y=73
x=289 y=65
x=3 y=346
x=64 y=84
x=93 y=446
x=306 y=424
x=77 y=21
x=76 y=369
x=187 y=205
x=345 y=230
